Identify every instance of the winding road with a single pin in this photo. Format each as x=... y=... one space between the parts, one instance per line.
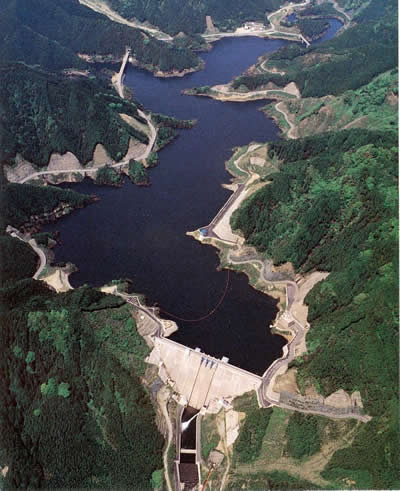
x=339 y=9
x=233 y=201
x=262 y=32
x=262 y=69
x=135 y=301
x=32 y=242
x=232 y=96
x=162 y=397
x=144 y=155
x=102 y=8
x=292 y=127
x=265 y=275
x=266 y=395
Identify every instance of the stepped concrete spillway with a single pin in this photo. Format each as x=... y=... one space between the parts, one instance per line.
x=202 y=380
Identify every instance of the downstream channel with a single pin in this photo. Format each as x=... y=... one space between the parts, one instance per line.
x=140 y=233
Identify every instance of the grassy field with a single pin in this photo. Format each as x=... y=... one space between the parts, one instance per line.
x=274 y=467
x=209 y=435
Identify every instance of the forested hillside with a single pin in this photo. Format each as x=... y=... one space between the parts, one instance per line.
x=345 y=62
x=70 y=366
x=333 y=207
x=73 y=411
x=52 y=34
x=374 y=106
x=43 y=113
x=174 y=16
x=22 y=201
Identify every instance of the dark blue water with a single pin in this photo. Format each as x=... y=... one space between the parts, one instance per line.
x=139 y=233
x=334 y=26
x=291 y=18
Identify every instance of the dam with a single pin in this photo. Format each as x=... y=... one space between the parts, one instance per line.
x=200 y=379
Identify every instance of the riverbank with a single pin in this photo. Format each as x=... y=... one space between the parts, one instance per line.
x=276 y=30
x=282 y=283
x=67 y=168
x=250 y=168
x=56 y=277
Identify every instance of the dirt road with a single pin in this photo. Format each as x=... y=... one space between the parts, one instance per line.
x=81 y=170
x=32 y=242
x=102 y=8
x=292 y=127
x=162 y=397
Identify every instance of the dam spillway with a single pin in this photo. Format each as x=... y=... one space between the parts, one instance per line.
x=203 y=381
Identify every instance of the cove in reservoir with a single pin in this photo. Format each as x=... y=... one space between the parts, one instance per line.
x=140 y=233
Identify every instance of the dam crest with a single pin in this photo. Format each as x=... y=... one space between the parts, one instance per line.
x=202 y=380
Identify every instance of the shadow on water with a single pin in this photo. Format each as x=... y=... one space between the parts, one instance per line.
x=188 y=436
x=140 y=233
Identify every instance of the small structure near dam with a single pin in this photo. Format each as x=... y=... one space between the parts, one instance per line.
x=200 y=379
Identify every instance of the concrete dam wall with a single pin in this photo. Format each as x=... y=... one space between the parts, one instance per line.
x=201 y=379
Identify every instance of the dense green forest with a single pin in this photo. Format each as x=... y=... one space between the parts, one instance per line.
x=248 y=445
x=269 y=480
x=21 y=201
x=11 y=267
x=312 y=28
x=345 y=62
x=40 y=35
x=333 y=207
x=304 y=434
x=70 y=366
x=138 y=174
x=73 y=411
x=174 y=16
x=43 y=113
x=107 y=176
x=372 y=106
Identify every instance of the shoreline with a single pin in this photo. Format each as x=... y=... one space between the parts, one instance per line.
x=291 y=320
x=136 y=63
x=225 y=94
x=25 y=171
x=55 y=277
x=220 y=235
x=219 y=232
x=244 y=189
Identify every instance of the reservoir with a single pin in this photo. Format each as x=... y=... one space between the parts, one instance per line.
x=140 y=233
